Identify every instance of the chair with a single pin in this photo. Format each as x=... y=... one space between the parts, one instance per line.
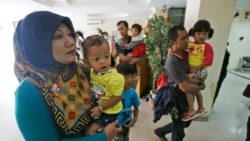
x=245 y=62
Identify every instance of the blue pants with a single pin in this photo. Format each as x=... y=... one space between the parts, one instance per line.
x=123 y=136
x=177 y=125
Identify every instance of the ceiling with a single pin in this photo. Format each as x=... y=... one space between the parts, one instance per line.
x=92 y=9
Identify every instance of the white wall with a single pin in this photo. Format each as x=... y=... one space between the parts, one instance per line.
x=240 y=27
x=7 y=30
x=6 y=36
x=107 y=25
x=220 y=21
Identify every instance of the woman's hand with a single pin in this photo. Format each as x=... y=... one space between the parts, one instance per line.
x=111 y=130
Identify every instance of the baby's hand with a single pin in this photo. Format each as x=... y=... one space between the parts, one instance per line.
x=95 y=112
x=123 y=45
x=190 y=75
x=170 y=51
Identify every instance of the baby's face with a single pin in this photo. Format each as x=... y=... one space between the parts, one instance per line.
x=200 y=37
x=135 y=32
x=99 y=58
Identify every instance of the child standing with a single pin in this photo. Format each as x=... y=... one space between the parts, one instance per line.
x=106 y=83
x=128 y=116
x=200 y=57
x=138 y=47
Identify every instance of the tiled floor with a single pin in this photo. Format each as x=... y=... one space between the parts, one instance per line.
x=227 y=120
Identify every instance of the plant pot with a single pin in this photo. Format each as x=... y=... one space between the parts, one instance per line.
x=153 y=93
x=151 y=97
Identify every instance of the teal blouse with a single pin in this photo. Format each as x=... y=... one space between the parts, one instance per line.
x=35 y=120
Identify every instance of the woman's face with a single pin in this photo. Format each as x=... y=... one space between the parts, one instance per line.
x=63 y=45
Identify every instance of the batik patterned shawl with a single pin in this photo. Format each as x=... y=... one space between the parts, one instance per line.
x=65 y=88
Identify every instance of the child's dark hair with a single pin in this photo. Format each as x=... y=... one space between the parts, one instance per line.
x=125 y=69
x=202 y=26
x=137 y=26
x=92 y=41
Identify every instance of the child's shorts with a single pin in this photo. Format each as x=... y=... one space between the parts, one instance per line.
x=200 y=74
x=105 y=119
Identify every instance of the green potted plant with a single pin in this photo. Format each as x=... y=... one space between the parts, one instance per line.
x=157 y=44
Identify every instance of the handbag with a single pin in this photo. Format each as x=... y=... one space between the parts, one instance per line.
x=246 y=92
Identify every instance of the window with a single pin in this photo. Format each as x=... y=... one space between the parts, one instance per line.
x=176 y=15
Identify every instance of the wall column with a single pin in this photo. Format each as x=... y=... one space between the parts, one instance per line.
x=220 y=15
